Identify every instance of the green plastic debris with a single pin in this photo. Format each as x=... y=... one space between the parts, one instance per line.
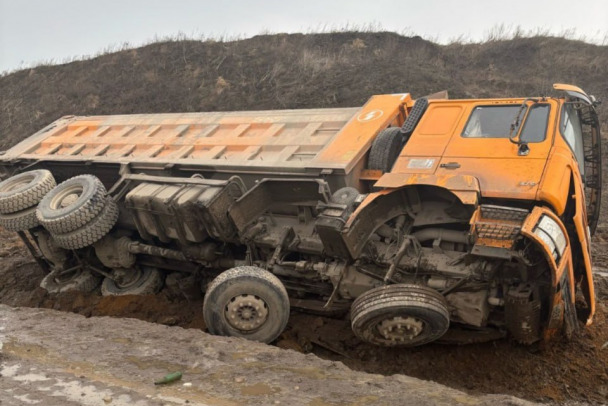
x=172 y=377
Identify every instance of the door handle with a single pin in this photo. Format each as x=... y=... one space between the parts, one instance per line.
x=450 y=165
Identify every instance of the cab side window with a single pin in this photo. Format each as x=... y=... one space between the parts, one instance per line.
x=535 y=126
x=572 y=131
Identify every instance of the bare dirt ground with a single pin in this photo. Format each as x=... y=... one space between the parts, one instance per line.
x=114 y=361
x=575 y=371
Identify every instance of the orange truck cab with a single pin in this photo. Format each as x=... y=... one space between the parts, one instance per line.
x=420 y=220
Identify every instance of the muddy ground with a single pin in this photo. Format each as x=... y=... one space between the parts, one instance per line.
x=114 y=361
x=558 y=372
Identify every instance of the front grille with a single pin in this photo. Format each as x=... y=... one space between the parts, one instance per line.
x=492 y=212
x=497 y=231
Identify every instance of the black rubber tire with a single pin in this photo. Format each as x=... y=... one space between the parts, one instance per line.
x=246 y=280
x=412 y=120
x=20 y=221
x=400 y=300
x=345 y=195
x=150 y=283
x=25 y=190
x=82 y=281
x=385 y=149
x=61 y=220
x=91 y=232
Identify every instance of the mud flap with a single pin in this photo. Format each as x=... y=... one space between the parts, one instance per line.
x=571 y=325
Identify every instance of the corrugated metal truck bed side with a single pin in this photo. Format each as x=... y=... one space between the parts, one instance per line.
x=280 y=141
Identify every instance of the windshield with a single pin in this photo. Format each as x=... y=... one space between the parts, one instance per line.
x=496 y=121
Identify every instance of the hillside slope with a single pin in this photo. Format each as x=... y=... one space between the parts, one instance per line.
x=291 y=71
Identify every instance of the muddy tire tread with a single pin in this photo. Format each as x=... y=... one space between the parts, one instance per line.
x=86 y=282
x=236 y=279
x=13 y=202
x=385 y=149
x=92 y=232
x=78 y=217
x=152 y=285
x=423 y=301
x=20 y=221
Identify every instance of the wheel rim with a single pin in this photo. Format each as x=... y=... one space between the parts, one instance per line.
x=127 y=278
x=400 y=329
x=66 y=197
x=400 y=315
x=18 y=183
x=246 y=313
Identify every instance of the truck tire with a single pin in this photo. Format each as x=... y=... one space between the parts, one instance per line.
x=149 y=281
x=20 y=221
x=81 y=280
x=91 y=232
x=25 y=190
x=412 y=120
x=385 y=149
x=247 y=302
x=405 y=315
x=72 y=204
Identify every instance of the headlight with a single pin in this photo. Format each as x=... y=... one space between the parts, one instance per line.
x=551 y=234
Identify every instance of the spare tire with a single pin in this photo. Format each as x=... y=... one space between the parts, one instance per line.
x=19 y=221
x=385 y=149
x=25 y=190
x=410 y=123
x=72 y=204
x=91 y=232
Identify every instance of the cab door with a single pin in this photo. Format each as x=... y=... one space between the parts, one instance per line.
x=483 y=146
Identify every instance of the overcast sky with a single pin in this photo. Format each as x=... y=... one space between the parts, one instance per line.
x=32 y=31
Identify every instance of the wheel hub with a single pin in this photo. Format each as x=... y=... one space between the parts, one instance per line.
x=246 y=312
x=125 y=278
x=67 y=197
x=400 y=328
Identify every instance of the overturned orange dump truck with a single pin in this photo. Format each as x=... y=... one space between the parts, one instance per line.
x=433 y=219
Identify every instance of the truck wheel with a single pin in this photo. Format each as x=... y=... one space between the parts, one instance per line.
x=72 y=204
x=91 y=232
x=81 y=280
x=25 y=190
x=143 y=280
x=247 y=302
x=20 y=221
x=400 y=315
x=385 y=149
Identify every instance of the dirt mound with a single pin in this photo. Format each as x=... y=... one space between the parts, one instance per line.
x=115 y=361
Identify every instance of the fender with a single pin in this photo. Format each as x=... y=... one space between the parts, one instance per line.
x=562 y=275
x=382 y=206
x=465 y=187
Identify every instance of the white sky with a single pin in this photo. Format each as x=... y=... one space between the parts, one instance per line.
x=33 y=31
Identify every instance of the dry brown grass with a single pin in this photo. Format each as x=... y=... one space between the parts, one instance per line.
x=294 y=71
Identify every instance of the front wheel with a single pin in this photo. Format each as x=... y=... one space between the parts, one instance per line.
x=405 y=315
x=247 y=302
